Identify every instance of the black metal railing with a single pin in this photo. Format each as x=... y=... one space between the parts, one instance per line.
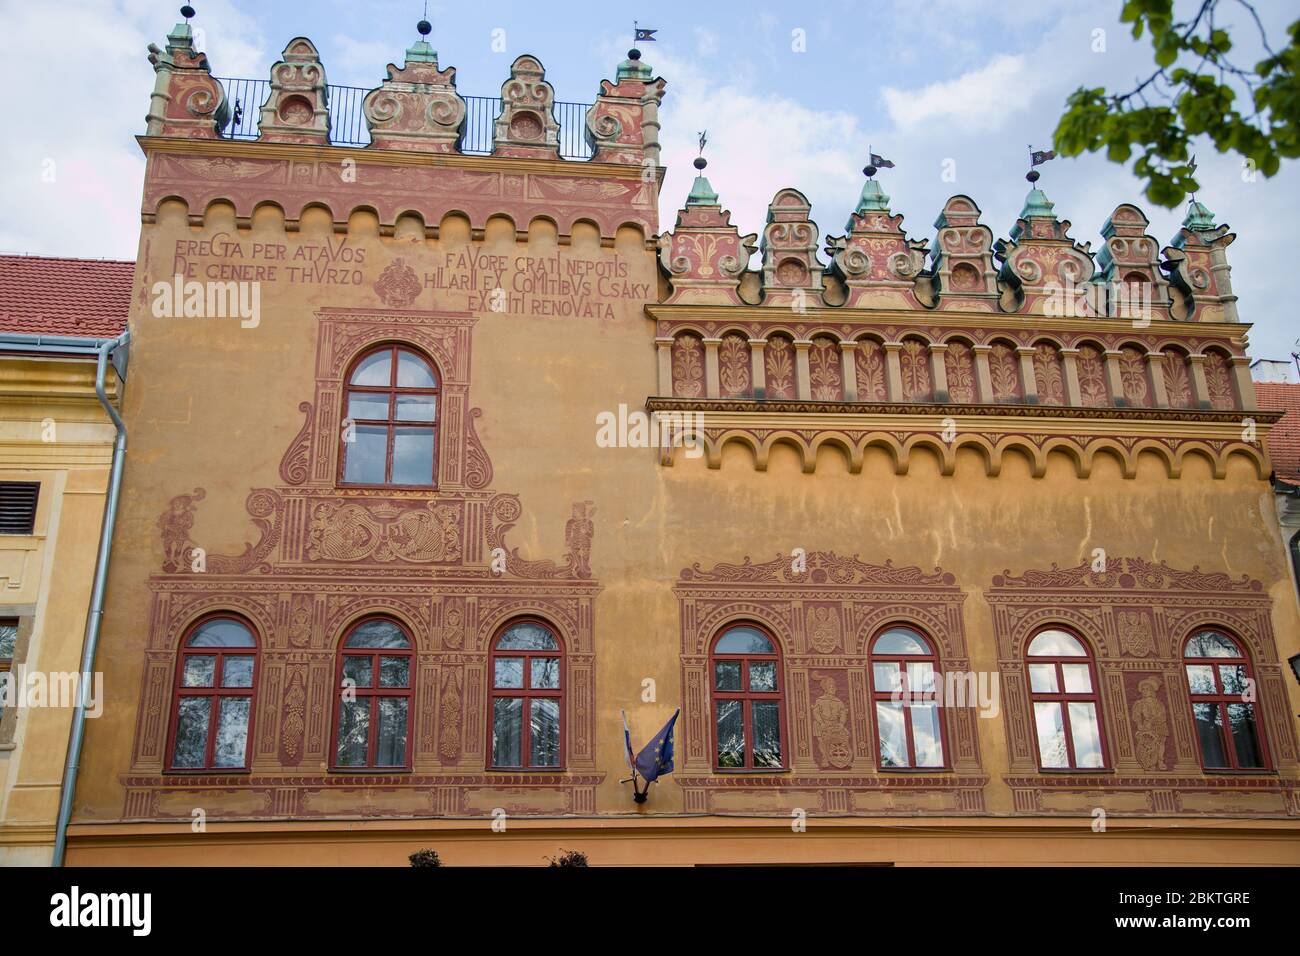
x=348 y=125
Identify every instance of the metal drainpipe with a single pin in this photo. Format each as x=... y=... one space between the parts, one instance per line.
x=95 y=616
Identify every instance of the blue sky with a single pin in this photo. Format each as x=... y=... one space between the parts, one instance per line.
x=955 y=85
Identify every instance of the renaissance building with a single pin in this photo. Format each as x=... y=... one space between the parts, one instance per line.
x=444 y=451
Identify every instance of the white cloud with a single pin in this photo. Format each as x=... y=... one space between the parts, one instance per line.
x=981 y=99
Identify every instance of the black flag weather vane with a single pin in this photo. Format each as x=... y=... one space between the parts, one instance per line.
x=639 y=33
x=1036 y=158
x=875 y=162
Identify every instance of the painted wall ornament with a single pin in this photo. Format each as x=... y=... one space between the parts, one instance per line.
x=526 y=126
x=830 y=717
x=416 y=107
x=1150 y=726
x=297 y=108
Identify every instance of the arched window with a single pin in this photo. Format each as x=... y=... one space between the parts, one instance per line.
x=748 y=721
x=391 y=430
x=215 y=677
x=1222 y=691
x=909 y=725
x=527 y=697
x=372 y=726
x=1063 y=689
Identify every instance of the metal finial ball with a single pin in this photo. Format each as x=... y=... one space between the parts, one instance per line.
x=187 y=11
x=869 y=171
x=1032 y=175
x=424 y=28
x=700 y=162
x=634 y=54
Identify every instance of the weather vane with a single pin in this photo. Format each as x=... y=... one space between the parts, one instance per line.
x=1036 y=158
x=875 y=163
x=1191 y=171
x=187 y=12
x=700 y=161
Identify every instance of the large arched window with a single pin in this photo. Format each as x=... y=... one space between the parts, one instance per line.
x=373 y=720
x=1223 y=703
x=390 y=436
x=213 y=714
x=527 y=697
x=909 y=724
x=748 y=719
x=1067 y=715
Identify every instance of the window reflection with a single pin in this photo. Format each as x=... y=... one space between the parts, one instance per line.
x=527 y=697
x=747 y=708
x=1067 y=714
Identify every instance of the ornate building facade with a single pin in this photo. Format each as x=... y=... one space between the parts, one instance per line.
x=944 y=555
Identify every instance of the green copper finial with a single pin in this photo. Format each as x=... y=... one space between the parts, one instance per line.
x=873 y=199
x=702 y=193
x=633 y=69
x=1037 y=205
x=420 y=51
x=1199 y=218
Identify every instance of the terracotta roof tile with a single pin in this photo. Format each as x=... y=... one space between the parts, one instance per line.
x=56 y=296
x=1284 y=440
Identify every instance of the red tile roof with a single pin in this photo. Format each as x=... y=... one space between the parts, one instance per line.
x=56 y=296
x=1284 y=440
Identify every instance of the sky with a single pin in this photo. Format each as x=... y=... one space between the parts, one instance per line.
x=953 y=91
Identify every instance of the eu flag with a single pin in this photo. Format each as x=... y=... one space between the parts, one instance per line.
x=656 y=757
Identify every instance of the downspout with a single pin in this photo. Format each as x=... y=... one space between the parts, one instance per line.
x=95 y=617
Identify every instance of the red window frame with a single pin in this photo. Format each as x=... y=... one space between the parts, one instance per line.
x=1063 y=699
x=374 y=693
x=1222 y=699
x=392 y=390
x=527 y=693
x=909 y=696
x=747 y=697
x=214 y=693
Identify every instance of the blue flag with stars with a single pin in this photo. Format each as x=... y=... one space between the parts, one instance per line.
x=656 y=757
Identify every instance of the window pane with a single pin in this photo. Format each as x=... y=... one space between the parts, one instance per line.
x=232 y=732
x=375 y=369
x=377 y=633
x=414 y=372
x=1241 y=718
x=744 y=640
x=527 y=637
x=509 y=672
x=413 y=456
x=221 y=633
x=191 y=732
x=354 y=732
x=200 y=670
x=925 y=735
x=8 y=637
x=544 y=745
x=363 y=458
x=417 y=408
x=726 y=675
x=357 y=669
x=1209 y=728
x=887 y=675
x=1211 y=644
x=507 y=731
x=731 y=733
x=762 y=676
x=1086 y=734
x=1051 y=734
x=1056 y=644
x=1077 y=678
x=1233 y=677
x=237 y=672
x=900 y=640
x=766 y=719
x=363 y=405
x=544 y=673
x=390 y=749
x=920 y=677
x=394 y=672
x=893 y=735
x=1042 y=678
x=1200 y=678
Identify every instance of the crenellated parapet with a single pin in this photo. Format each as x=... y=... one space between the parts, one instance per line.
x=623 y=123
x=1041 y=264
x=526 y=127
x=297 y=109
x=876 y=261
x=1129 y=267
x=186 y=101
x=962 y=259
x=792 y=272
x=417 y=107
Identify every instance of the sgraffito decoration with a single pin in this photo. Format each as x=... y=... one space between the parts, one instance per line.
x=1135 y=616
x=297 y=110
x=417 y=107
x=824 y=613
x=327 y=555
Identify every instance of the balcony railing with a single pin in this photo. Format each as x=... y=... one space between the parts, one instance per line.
x=348 y=125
